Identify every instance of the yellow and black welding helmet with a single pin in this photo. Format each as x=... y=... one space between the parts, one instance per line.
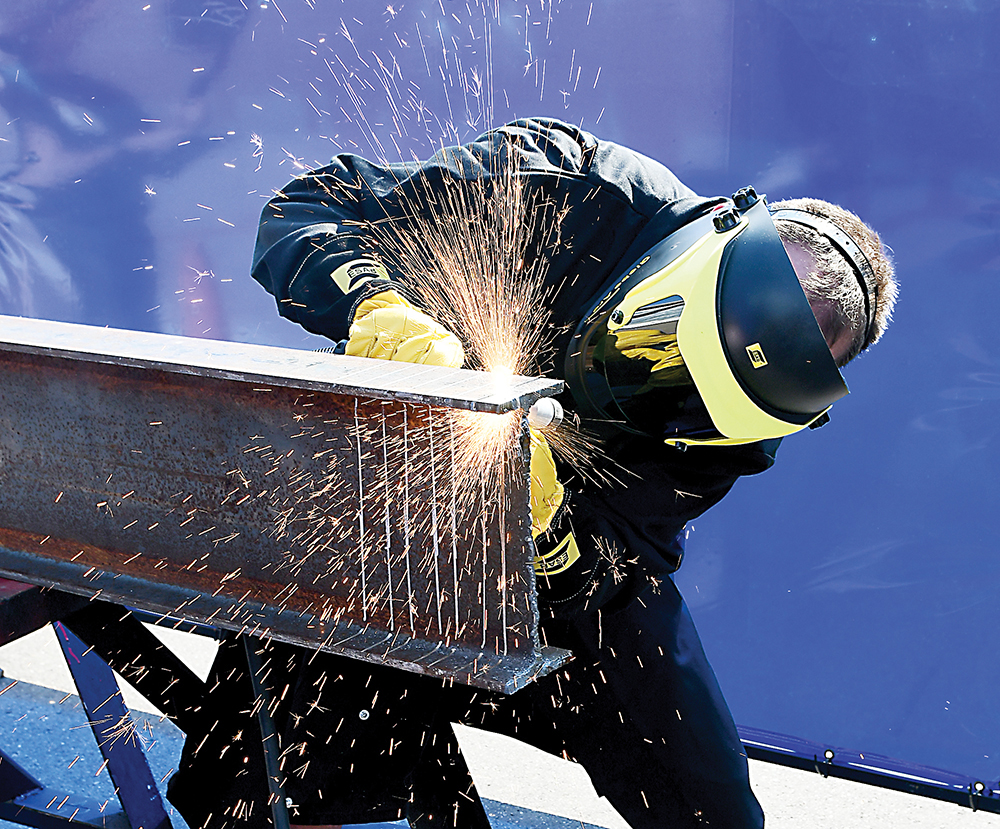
x=707 y=339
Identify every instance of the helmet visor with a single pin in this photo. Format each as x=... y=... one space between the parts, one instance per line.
x=707 y=338
x=644 y=378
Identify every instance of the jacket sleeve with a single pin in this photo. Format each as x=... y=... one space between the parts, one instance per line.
x=315 y=253
x=316 y=250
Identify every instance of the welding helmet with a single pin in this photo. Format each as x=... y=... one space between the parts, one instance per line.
x=707 y=339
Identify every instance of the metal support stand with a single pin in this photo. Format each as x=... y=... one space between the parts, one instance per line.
x=26 y=801
x=443 y=793
x=269 y=737
x=119 y=638
x=115 y=733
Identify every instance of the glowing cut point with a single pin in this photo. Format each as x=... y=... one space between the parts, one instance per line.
x=545 y=413
x=502 y=377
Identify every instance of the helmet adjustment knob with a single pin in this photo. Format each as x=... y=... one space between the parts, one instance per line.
x=745 y=198
x=725 y=218
x=617 y=317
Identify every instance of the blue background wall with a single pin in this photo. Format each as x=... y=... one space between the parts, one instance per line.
x=848 y=596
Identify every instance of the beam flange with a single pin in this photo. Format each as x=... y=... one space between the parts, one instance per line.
x=287 y=367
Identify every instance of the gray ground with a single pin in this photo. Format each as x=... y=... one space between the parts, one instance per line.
x=45 y=730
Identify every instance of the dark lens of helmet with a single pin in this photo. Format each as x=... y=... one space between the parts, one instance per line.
x=649 y=384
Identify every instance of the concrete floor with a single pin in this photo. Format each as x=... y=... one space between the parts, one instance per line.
x=507 y=772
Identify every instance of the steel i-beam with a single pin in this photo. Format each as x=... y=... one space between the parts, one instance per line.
x=315 y=498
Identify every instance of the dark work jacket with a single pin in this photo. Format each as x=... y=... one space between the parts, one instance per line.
x=617 y=203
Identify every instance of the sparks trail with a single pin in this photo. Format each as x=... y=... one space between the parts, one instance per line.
x=377 y=523
x=475 y=248
x=124 y=729
x=432 y=80
x=476 y=251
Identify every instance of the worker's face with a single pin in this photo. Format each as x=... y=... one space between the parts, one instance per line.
x=838 y=338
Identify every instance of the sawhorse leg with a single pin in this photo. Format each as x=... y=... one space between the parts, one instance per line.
x=115 y=733
x=268 y=734
x=25 y=800
x=121 y=640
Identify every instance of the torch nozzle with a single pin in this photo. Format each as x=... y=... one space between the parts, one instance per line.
x=545 y=413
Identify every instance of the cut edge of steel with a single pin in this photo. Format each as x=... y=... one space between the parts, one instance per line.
x=294 y=368
x=506 y=673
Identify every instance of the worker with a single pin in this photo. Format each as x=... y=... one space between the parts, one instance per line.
x=693 y=334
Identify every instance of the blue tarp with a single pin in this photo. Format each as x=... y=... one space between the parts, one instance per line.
x=847 y=597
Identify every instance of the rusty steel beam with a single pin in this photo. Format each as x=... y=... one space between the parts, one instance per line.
x=310 y=497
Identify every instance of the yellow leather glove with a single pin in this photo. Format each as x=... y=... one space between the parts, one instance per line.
x=546 y=491
x=387 y=327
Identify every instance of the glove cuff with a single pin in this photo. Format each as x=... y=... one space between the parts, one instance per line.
x=384 y=298
x=561 y=572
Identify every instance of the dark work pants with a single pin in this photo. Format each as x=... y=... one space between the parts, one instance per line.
x=685 y=763
x=641 y=710
x=639 y=707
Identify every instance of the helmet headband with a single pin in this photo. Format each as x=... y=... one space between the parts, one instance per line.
x=850 y=250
